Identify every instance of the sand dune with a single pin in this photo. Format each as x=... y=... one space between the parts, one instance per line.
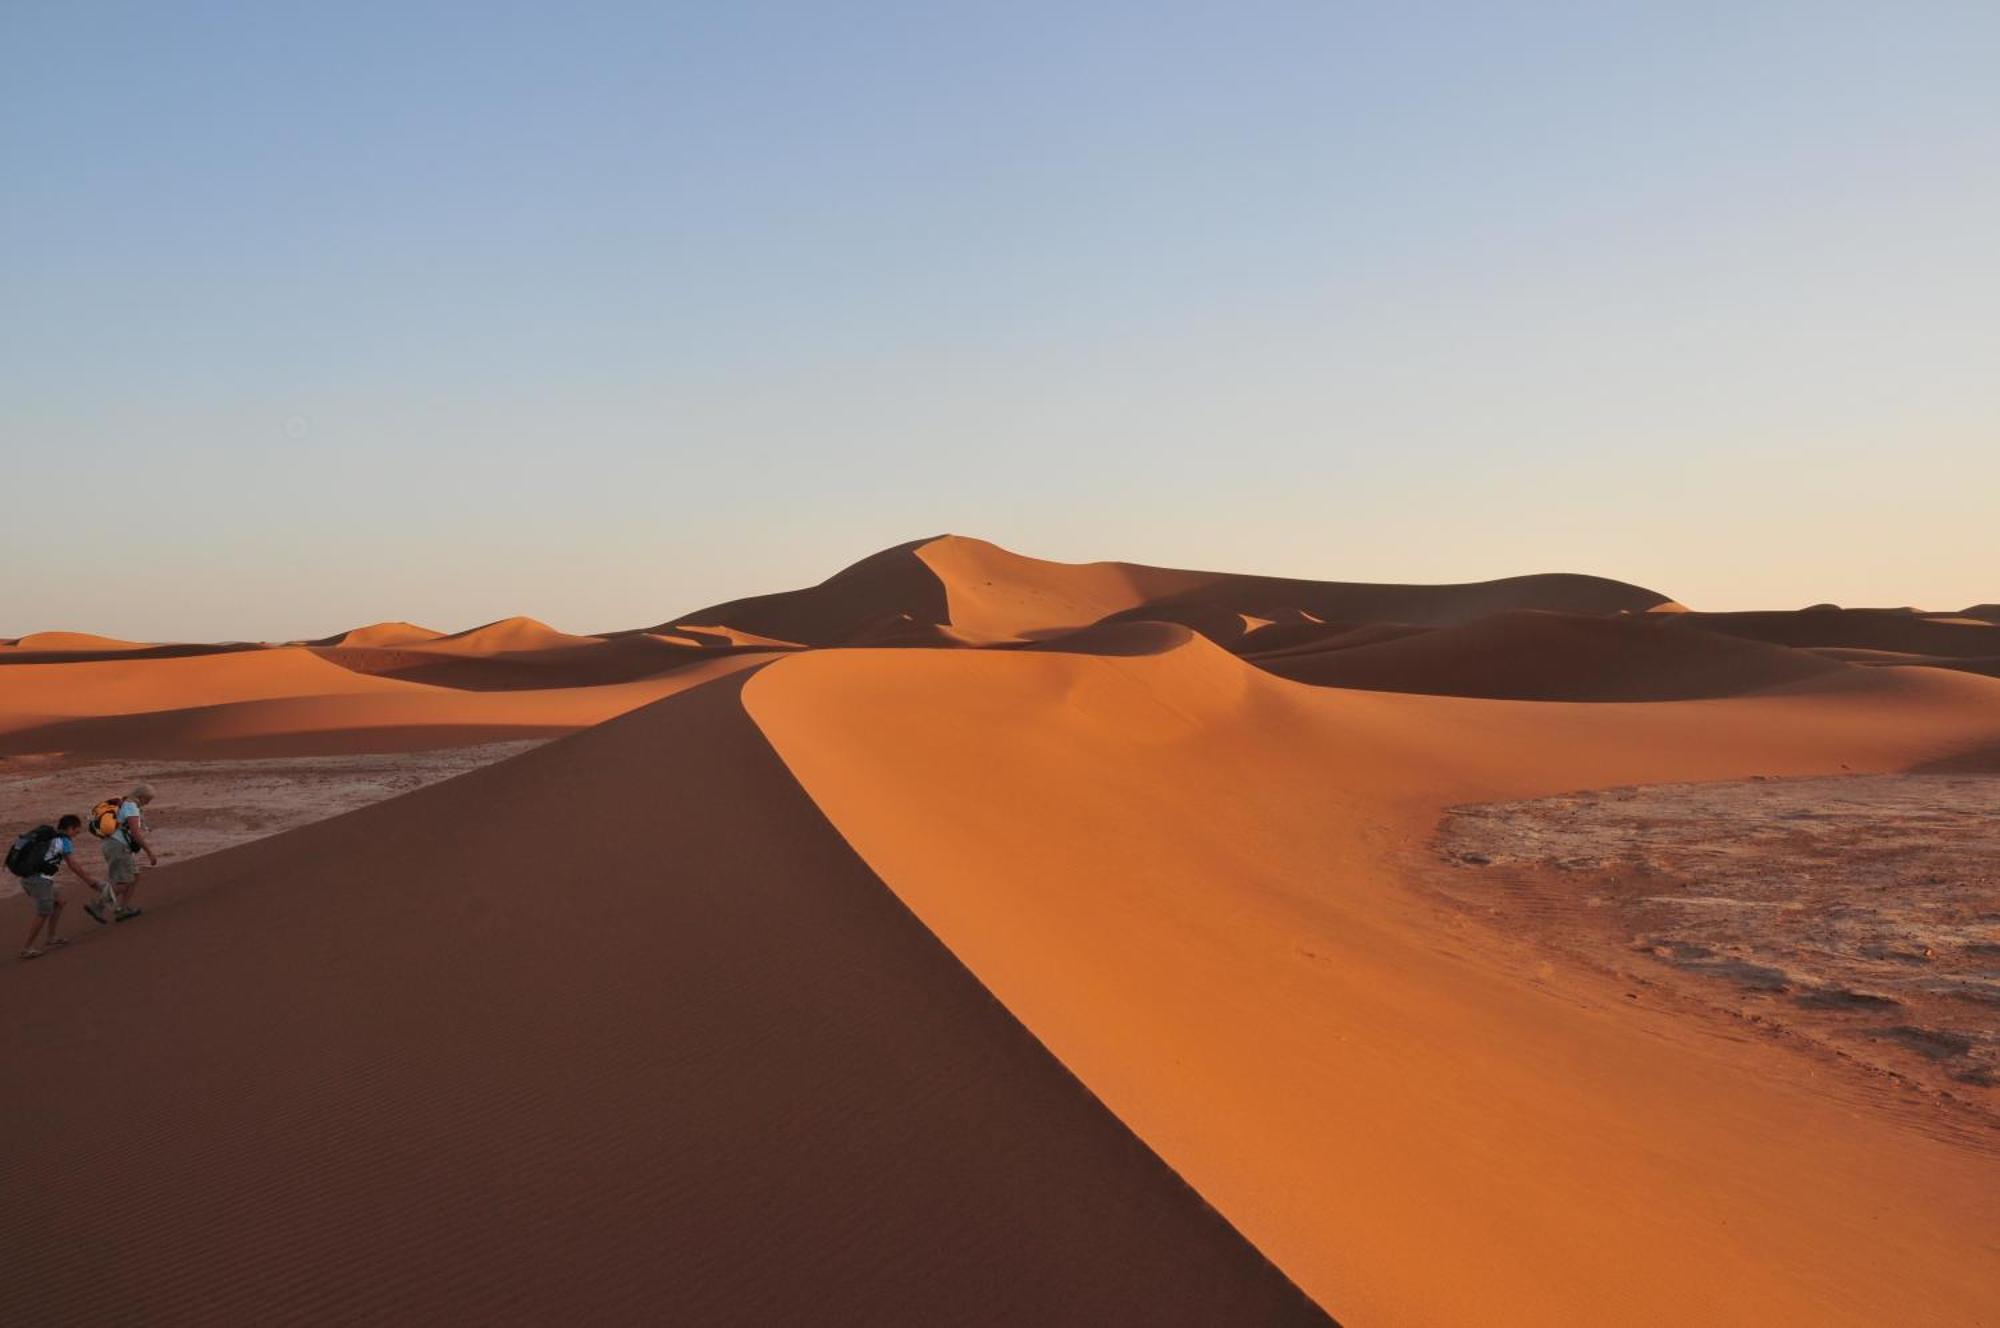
x=1184 y=876
x=876 y=589
x=1538 y=656
x=765 y=1095
x=380 y=634
x=507 y=636
x=1988 y=664
x=1872 y=629
x=69 y=642
x=124 y=686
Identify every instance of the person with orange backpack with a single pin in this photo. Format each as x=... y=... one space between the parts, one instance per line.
x=121 y=824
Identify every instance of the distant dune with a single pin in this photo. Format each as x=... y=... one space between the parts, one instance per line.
x=69 y=642
x=381 y=634
x=1873 y=629
x=1538 y=656
x=507 y=636
x=986 y=594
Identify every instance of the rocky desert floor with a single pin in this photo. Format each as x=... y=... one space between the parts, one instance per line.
x=1857 y=914
x=207 y=805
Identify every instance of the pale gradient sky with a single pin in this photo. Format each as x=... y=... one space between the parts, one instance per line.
x=316 y=315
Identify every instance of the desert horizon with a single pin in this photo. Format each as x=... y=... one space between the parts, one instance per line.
x=1444 y=771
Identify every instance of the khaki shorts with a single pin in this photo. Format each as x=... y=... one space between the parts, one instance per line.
x=41 y=889
x=120 y=862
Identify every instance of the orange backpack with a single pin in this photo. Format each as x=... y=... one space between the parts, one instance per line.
x=104 y=818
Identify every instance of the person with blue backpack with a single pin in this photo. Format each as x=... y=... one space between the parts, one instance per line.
x=34 y=858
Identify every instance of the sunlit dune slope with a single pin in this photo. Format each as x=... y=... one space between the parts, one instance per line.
x=994 y=593
x=1556 y=657
x=1183 y=875
x=125 y=685
x=444 y=1060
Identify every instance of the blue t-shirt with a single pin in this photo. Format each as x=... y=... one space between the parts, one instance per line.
x=59 y=848
x=128 y=810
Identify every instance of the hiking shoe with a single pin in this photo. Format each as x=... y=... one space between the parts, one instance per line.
x=125 y=913
x=96 y=912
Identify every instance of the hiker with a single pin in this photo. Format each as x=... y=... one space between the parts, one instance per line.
x=125 y=833
x=34 y=858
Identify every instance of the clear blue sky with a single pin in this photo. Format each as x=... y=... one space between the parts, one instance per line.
x=319 y=314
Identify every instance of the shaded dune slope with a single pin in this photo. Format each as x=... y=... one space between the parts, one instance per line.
x=372 y=1070
x=1188 y=878
x=1870 y=629
x=1539 y=656
x=25 y=655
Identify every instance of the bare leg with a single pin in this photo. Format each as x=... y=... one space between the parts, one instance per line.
x=55 y=918
x=28 y=945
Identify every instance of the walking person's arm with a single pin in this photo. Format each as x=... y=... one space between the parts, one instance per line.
x=136 y=832
x=81 y=875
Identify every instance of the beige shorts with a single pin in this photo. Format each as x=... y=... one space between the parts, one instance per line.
x=120 y=861
x=41 y=889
